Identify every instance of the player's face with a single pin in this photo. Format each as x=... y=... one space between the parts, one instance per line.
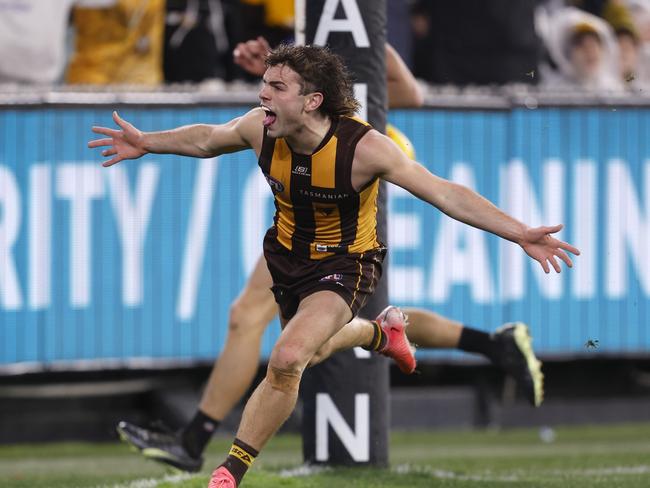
x=282 y=100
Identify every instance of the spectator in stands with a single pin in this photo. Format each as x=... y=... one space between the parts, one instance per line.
x=583 y=52
x=118 y=43
x=628 y=47
x=640 y=13
x=469 y=42
x=271 y=19
x=398 y=29
x=33 y=39
x=621 y=16
x=197 y=45
x=615 y=12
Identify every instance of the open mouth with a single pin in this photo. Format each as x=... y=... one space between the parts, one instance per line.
x=270 y=118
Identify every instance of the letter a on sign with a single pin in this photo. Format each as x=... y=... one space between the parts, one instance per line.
x=352 y=23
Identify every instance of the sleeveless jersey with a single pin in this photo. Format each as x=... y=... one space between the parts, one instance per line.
x=317 y=211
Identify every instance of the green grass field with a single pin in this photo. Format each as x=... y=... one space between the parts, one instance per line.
x=595 y=456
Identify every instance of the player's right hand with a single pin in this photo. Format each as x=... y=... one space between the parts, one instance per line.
x=126 y=143
x=250 y=55
x=540 y=245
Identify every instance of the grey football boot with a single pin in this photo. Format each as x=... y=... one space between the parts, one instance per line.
x=161 y=445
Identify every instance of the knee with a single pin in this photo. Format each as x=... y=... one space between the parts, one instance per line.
x=236 y=318
x=243 y=319
x=285 y=370
x=287 y=358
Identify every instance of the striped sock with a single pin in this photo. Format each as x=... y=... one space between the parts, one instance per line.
x=379 y=339
x=240 y=458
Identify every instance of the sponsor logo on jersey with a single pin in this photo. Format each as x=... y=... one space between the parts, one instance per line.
x=301 y=171
x=275 y=185
x=322 y=195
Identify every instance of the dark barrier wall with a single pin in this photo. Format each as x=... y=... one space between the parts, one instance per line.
x=345 y=399
x=140 y=262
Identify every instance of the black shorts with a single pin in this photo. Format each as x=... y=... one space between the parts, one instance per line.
x=353 y=277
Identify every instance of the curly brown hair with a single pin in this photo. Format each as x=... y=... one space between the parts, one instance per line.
x=321 y=71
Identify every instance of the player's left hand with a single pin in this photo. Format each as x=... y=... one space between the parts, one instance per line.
x=540 y=245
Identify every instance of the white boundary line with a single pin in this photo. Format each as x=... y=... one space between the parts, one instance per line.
x=304 y=470
x=444 y=474
x=173 y=479
x=521 y=475
x=607 y=471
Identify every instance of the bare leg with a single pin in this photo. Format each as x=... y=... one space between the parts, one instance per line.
x=275 y=397
x=357 y=332
x=428 y=329
x=235 y=369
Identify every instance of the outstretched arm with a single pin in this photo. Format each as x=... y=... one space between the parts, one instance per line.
x=377 y=155
x=200 y=140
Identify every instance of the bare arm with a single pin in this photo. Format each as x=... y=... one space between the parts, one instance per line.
x=200 y=140
x=403 y=89
x=377 y=155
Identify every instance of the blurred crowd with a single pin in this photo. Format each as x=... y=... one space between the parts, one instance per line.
x=558 y=44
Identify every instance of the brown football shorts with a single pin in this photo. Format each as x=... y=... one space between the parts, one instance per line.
x=353 y=277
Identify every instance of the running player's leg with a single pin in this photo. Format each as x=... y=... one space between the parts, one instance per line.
x=231 y=377
x=426 y=329
x=235 y=369
x=358 y=331
x=385 y=335
x=431 y=330
x=319 y=316
x=509 y=347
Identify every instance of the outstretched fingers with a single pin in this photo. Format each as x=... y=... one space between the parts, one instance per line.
x=100 y=142
x=564 y=257
x=560 y=244
x=124 y=125
x=546 y=249
x=551 y=229
x=568 y=247
x=118 y=143
x=544 y=264
x=112 y=161
x=105 y=131
x=555 y=264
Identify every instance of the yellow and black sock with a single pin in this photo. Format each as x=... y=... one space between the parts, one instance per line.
x=240 y=458
x=379 y=339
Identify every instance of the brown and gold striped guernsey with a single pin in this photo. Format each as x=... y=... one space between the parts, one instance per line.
x=317 y=211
